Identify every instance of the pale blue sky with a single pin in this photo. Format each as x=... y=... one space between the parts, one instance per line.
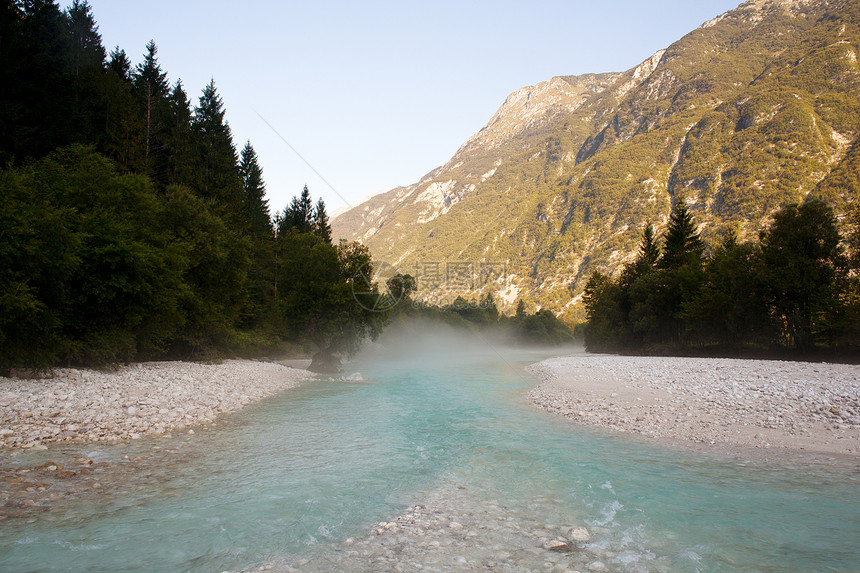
x=375 y=94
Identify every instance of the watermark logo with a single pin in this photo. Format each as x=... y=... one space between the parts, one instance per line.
x=440 y=282
x=371 y=288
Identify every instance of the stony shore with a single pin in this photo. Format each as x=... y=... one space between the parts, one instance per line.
x=146 y=398
x=804 y=407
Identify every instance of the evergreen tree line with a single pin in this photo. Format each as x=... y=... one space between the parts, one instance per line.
x=131 y=228
x=539 y=328
x=794 y=290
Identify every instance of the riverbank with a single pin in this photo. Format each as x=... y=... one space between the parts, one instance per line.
x=804 y=407
x=134 y=400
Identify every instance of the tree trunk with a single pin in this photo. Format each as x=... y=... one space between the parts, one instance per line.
x=325 y=362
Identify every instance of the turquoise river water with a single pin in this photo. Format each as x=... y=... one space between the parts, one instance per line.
x=295 y=475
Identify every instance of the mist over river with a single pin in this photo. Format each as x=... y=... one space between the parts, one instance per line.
x=437 y=431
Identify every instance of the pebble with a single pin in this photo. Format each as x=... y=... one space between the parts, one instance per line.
x=135 y=400
x=707 y=400
x=429 y=537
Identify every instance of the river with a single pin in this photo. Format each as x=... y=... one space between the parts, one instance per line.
x=302 y=479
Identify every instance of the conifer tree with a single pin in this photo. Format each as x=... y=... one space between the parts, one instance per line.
x=682 y=243
x=521 y=309
x=86 y=76
x=218 y=176
x=258 y=226
x=152 y=89
x=123 y=128
x=34 y=97
x=646 y=259
x=87 y=51
x=321 y=223
x=119 y=63
x=300 y=214
x=649 y=251
x=256 y=206
x=179 y=140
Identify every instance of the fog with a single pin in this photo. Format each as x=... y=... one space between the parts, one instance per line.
x=420 y=339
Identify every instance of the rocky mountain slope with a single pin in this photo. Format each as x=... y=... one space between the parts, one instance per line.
x=754 y=109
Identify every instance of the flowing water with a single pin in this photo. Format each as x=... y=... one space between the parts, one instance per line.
x=284 y=482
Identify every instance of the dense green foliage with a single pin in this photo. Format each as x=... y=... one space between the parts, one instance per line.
x=792 y=290
x=131 y=228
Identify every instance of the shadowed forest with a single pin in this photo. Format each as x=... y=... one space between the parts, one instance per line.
x=796 y=290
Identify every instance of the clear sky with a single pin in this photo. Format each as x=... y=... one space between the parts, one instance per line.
x=375 y=94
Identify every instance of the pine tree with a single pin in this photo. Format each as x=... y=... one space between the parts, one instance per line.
x=646 y=259
x=300 y=214
x=119 y=63
x=35 y=98
x=86 y=56
x=682 y=243
x=256 y=206
x=218 y=177
x=321 y=223
x=521 y=309
x=179 y=140
x=304 y=210
x=152 y=89
x=87 y=49
x=123 y=128
x=649 y=251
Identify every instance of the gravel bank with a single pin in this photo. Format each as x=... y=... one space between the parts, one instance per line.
x=754 y=403
x=146 y=398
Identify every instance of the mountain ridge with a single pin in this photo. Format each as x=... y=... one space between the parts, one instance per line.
x=755 y=108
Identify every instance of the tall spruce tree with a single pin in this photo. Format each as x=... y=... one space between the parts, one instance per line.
x=119 y=63
x=646 y=259
x=649 y=250
x=87 y=52
x=179 y=140
x=218 y=176
x=152 y=90
x=255 y=204
x=87 y=75
x=123 y=128
x=300 y=214
x=681 y=244
x=258 y=227
x=321 y=223
x=35 y=94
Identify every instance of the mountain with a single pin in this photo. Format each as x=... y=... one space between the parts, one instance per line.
x=754 y=109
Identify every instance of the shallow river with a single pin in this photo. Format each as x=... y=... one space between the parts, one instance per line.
x=286 y=481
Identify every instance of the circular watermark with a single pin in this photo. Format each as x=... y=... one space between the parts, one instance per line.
x=379 y=297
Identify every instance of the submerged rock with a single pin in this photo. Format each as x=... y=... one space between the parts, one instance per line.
x=560 y=545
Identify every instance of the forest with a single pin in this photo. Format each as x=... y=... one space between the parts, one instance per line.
x=794 y=292
x=131 y=227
